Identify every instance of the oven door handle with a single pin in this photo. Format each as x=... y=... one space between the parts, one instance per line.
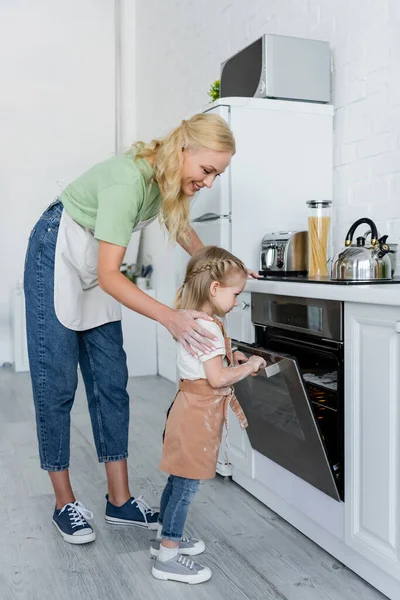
x=268 y=355
x=276 y=363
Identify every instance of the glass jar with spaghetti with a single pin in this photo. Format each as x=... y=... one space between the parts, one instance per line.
x=319 y=223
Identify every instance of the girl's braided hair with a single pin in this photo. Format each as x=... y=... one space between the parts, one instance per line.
x=207 y=265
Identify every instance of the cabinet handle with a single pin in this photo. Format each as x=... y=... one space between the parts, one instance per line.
x=397 y=326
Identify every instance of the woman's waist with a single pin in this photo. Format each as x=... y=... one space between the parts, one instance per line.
x=83 y=215
x=53 y=211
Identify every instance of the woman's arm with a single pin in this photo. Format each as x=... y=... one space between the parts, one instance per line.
x=181 y=324
x=191 y=243
x=219 y=376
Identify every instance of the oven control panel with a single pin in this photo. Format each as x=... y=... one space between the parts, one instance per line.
x=323 y=318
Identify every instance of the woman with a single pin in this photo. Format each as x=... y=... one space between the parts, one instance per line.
x=74 y=288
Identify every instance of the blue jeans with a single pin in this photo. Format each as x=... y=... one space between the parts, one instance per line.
x=175 y=500
x=54 y=354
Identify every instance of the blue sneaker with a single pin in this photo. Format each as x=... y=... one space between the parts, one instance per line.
x=71 y=522
x=135 y=511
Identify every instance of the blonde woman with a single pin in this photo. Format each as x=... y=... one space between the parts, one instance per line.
x=74 y=288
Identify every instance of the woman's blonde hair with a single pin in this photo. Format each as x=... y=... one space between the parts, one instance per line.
x=200 y=131
x=207 y=265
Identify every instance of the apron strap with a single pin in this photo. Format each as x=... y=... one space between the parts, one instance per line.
x=201 y=387
x=237 y=411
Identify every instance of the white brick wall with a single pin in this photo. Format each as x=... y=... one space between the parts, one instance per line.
x=181 y=44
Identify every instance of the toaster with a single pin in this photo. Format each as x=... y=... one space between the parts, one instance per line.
x=285 y=253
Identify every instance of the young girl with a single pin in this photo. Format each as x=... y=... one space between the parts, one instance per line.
x=214 y=279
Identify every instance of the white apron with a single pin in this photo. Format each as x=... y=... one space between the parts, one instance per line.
x=79 y=301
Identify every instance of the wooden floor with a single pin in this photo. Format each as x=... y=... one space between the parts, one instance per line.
x=252 y=552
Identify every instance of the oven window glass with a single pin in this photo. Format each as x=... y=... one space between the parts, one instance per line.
x=271 y=402
x=319 y=369
x=327 y=420
x=298 y=431
x=298 y=315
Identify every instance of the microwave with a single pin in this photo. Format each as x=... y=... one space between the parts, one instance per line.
x=279 y=67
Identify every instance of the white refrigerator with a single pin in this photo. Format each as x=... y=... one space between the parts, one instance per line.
x=284 y=157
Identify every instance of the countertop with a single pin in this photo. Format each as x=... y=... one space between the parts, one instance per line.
x=378 y=293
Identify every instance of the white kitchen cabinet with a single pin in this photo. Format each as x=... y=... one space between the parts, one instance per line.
x=240 y=451
x=238 y=321
x=372 y=433
x=140 y=342
x=240 y=328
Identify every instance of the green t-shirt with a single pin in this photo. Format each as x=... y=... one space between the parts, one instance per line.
x=112 y=197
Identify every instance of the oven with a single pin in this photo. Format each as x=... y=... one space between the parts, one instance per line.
x=294 y=408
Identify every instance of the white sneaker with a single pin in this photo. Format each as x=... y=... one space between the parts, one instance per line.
x=180 y=569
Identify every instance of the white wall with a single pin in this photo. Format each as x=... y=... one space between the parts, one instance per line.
x=182 y=43
x=57 y=115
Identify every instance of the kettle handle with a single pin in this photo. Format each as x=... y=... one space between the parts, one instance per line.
x=374 y=231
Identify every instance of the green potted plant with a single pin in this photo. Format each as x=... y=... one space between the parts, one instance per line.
x=214 y=91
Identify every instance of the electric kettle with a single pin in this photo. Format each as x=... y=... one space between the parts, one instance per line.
x=361 y=262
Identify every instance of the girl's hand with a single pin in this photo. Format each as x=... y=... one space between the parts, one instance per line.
x=257 y=363
x=239 y=358
x=184 y=328
x=253 y=274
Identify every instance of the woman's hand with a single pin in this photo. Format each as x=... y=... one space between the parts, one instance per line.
x=183 y=326
x=253 y=274
x=239 y=358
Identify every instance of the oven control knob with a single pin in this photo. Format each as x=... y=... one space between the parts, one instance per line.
x=244 y=305
x=279 y=264
x=397 y=326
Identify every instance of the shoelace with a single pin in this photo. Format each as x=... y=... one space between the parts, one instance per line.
x=186 y=562
x=77 y=513
x=185 y=538
x=144 y=508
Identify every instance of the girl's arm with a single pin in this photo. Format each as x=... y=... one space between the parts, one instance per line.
x=219 y=376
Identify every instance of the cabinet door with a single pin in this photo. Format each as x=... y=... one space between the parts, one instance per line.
x=140 y=342
x=238 y=321
x=372 y=433
x=240 y=451
x=240 y=328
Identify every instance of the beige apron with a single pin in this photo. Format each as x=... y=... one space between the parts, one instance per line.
x=194 y=426
x=79 y=301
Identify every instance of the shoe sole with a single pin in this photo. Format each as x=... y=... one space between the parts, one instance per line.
x=116 y=521
x=76 y=539
x=190 y=579
x=184 y=551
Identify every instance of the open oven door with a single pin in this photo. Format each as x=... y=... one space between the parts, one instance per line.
x=282 y=425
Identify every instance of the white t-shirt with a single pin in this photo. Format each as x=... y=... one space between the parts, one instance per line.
x=190 y=367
